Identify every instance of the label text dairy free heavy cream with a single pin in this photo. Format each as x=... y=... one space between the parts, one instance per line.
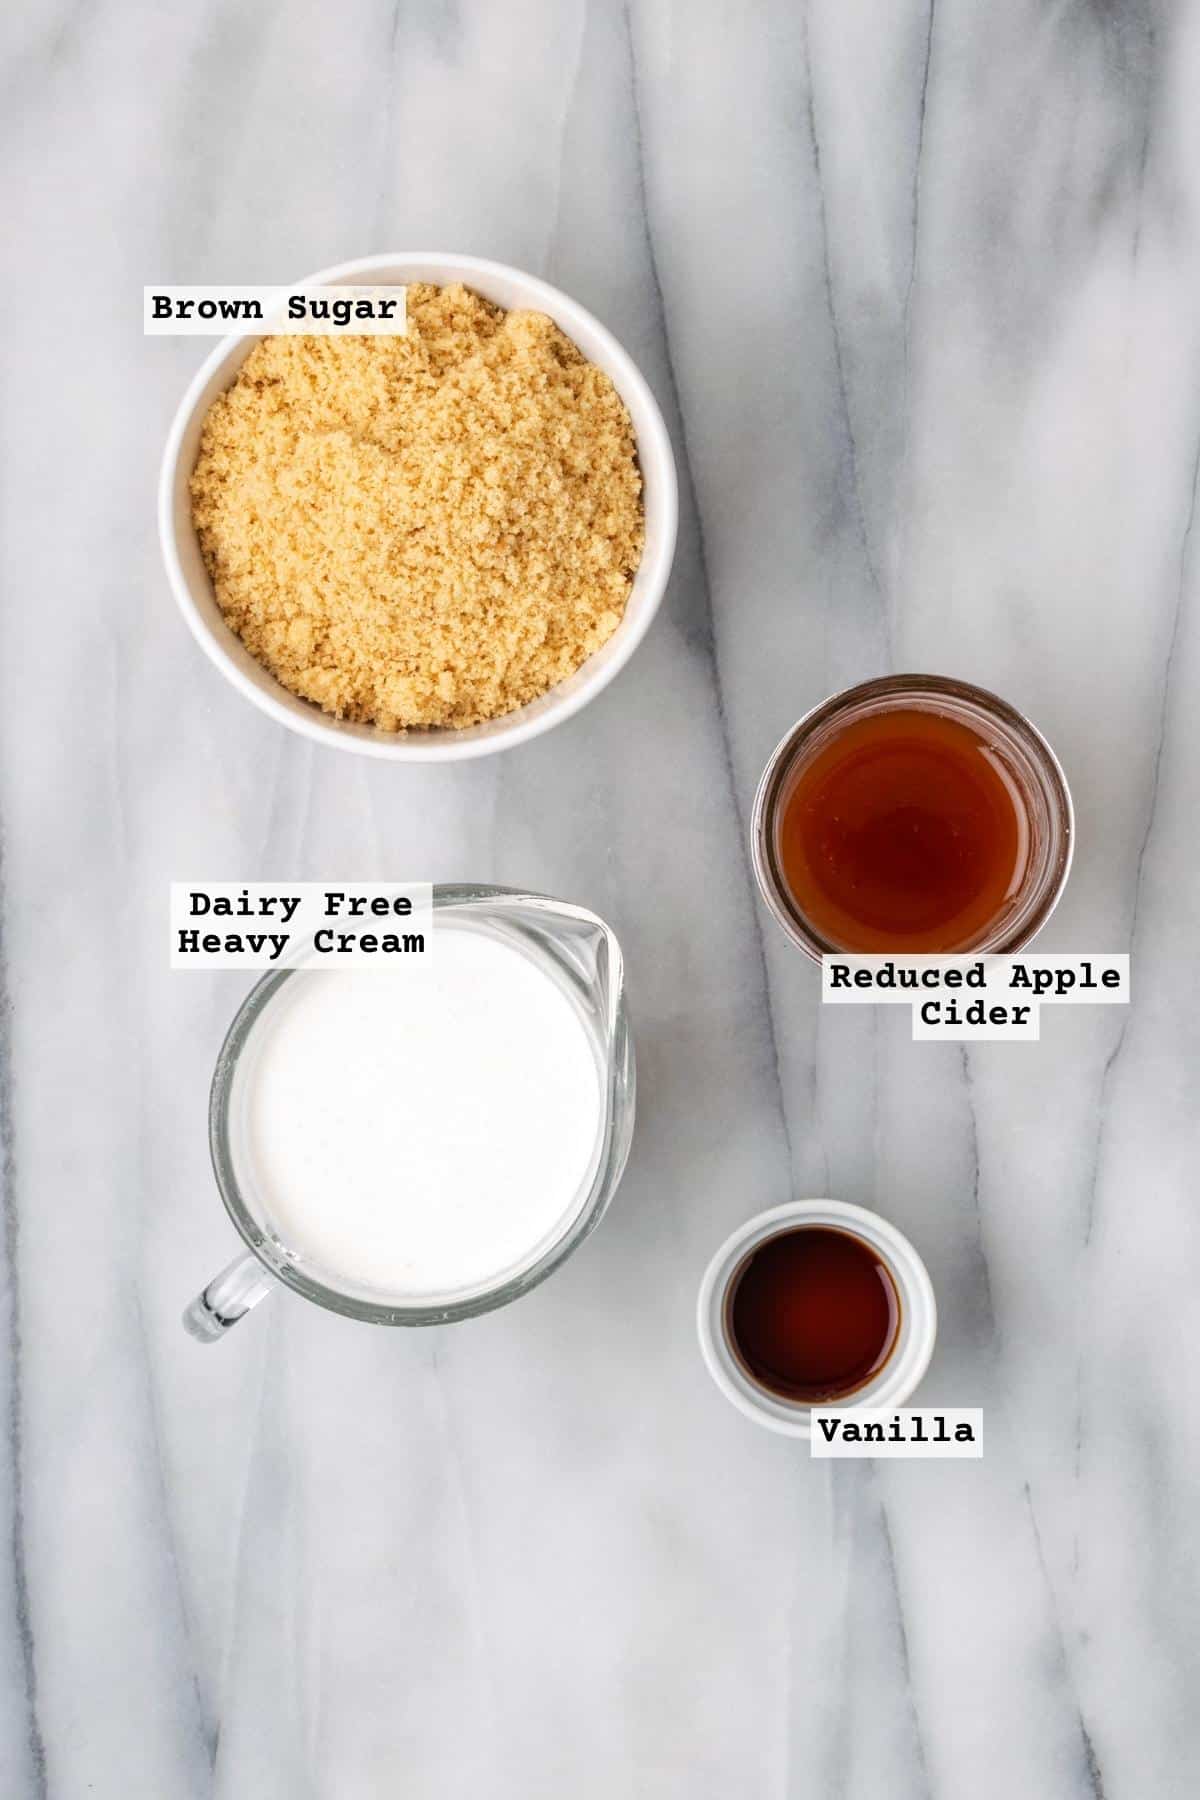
x=264 y=924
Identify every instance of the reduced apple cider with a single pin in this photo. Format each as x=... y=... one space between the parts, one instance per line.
x=904 y=831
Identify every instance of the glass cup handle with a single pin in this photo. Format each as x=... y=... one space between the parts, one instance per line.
x=228 y=1298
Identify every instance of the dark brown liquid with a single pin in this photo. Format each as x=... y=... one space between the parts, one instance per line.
x=813 y=1313
x=904 y=832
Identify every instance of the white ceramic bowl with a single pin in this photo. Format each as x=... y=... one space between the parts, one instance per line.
x=508 y=288
x=904 y=1368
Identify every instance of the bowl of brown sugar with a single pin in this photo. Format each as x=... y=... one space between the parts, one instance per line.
x=427 y=546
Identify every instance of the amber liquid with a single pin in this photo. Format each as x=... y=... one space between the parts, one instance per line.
x=813 y=1313
x=905 y=832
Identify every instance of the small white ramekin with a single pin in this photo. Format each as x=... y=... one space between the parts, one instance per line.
x=904 y=1368
x=189 y=579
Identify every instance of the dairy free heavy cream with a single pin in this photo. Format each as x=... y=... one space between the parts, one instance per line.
x=422 y=1133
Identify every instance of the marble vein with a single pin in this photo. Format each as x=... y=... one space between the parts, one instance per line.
x=692 y=510
x=28 y=1747
x=847 y=425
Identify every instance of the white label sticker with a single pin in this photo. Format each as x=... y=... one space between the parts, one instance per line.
x=959 y=997
x=281 y=311
x=955 y=1020
x=280 y=924
x=847 y=1431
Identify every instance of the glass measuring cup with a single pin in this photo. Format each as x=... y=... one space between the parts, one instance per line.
x=580 y=953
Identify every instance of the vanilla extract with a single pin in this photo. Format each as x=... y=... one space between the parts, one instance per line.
x=813 y=1314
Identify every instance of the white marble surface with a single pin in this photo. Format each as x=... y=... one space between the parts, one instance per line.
x=918 y=289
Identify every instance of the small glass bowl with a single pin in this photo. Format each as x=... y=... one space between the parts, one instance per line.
x=1026 y=754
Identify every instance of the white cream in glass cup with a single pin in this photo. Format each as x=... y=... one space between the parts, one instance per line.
x=580 y=956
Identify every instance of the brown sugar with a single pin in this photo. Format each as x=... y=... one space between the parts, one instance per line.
x=427 y=530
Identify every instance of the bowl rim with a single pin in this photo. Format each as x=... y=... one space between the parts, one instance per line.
x=440 y=744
